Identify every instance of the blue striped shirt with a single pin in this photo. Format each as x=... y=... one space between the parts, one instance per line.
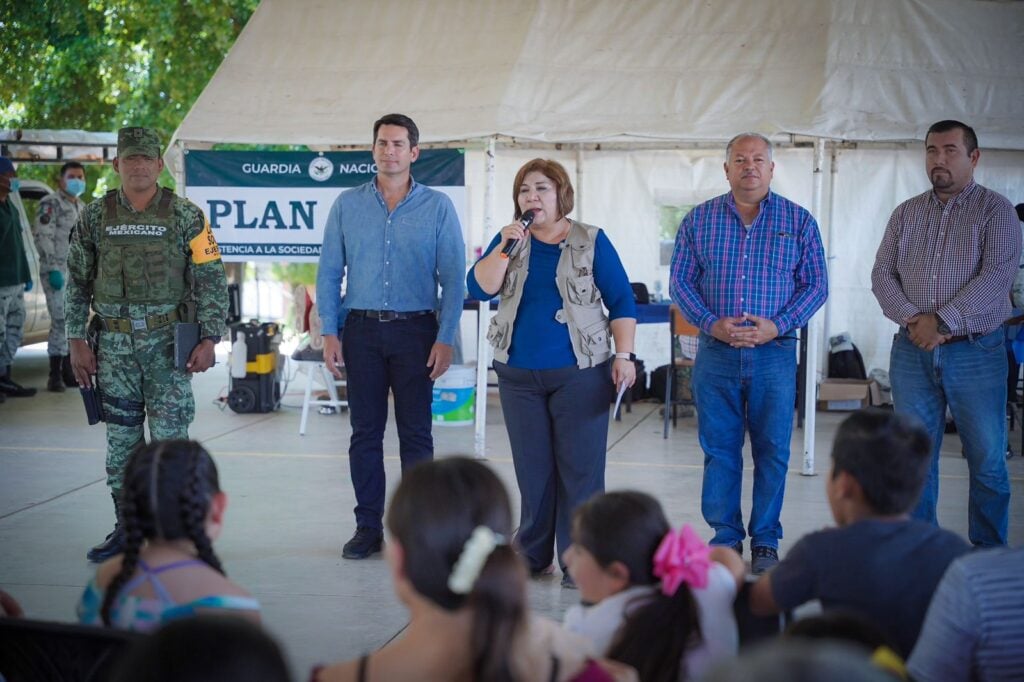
x=393 y=261
x=974 y=629
x=774 y=269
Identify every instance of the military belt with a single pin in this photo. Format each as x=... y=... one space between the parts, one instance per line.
x=127 y=325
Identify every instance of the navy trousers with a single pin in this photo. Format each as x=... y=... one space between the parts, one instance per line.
x=383 y=356
x=557 y=421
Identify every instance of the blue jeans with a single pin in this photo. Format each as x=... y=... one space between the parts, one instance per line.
x=970 y=377
x=557 y=421
x=738 y=390
x=382 y=356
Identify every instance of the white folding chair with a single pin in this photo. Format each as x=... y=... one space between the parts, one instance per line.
x=317 y=373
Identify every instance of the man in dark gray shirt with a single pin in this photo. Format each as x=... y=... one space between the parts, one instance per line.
x=878 y=563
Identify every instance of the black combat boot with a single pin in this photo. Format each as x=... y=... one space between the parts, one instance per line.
x=12 y=389
x=69 y=374
x=56 y=382
x=114 y=544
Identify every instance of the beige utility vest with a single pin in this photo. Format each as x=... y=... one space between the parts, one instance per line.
x=581 y=310
x=139 y=257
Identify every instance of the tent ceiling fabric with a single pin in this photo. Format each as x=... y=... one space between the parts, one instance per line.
x=319 y=72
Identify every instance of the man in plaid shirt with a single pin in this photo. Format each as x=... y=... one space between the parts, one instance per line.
x=749 y=270
x=943 y=272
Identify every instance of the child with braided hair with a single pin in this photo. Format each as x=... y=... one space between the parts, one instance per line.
x=654 y=598
x=172 y=509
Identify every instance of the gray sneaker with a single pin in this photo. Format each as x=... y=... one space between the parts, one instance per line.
x=763 y=558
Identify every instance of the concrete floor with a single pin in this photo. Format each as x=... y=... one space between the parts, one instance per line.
x=291 y=505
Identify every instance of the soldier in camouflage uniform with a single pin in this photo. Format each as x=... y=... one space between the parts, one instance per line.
x=144 y=259
x=58 y=213
x=15 y=280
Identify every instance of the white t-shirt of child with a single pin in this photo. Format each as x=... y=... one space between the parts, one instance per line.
x=720 y=636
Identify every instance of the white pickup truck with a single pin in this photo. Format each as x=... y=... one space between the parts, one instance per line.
x=37 y=318
x=50 y=147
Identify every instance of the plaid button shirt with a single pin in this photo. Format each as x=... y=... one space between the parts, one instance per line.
x=957 y=260
x=774 y=269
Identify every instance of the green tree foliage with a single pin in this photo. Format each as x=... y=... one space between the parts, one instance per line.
x=102 y=64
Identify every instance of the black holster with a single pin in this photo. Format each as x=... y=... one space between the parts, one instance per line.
x=91 y=396
x=187 y=311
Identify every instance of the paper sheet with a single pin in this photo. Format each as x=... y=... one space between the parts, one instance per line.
x=618 y=398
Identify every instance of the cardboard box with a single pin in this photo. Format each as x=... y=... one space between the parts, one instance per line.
x=837 y=395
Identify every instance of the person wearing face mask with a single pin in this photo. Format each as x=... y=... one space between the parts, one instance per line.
x=58 y=213
x=15 y=280
x=564 y=296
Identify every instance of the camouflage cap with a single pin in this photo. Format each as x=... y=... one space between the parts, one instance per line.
x=134 y=141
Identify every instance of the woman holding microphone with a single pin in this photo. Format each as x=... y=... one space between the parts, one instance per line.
x=552 y=352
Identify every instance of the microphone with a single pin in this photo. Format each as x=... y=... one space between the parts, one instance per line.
x=525 y=220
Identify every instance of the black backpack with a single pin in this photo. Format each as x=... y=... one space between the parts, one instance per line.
x=846 y=364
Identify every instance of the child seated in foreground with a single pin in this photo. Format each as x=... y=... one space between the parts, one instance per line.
x=656 y=599
x=205 y=649
x=172 y=509
x=452 y=565
x=878 y=563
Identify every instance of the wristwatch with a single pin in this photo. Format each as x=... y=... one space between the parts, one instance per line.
x=626 y=356
x=941 y=326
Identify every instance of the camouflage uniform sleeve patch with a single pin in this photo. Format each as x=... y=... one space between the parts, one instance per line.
x=45 y=213
x=203 y=246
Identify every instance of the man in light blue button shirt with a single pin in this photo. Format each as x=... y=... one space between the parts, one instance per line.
x=396 y=241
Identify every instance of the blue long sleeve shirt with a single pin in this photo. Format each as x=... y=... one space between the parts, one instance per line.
x=393 y=261
x=774 y=269
x=539 y=341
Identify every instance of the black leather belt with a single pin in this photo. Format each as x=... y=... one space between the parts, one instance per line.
x=952 y=339
x=389 y=315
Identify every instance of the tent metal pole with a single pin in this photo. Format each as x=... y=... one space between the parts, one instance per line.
x=579 y=182
x=179 y=173
x=484 y=312
x=830 y=254
x=813 y=328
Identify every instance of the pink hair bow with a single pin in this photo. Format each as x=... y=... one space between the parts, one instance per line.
x=682 y=557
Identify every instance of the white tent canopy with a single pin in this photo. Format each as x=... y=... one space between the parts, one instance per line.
x=628 y=79
x=318 y=72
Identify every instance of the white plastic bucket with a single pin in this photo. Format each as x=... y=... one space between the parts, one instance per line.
x=454 y=402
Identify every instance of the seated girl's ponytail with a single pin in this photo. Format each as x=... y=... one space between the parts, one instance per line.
x=496 y=594
x=457 y=553
x=656 y=634
x=630 y=528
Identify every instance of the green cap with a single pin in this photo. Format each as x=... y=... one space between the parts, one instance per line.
x=134 y=141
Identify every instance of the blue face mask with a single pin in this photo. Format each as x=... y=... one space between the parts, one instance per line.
x=75 y=187
x=15 y=184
